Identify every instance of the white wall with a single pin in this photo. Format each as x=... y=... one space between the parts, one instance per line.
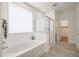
x=64 y=32
x=0 y=31
x=52 y=33
x=51 y=14
x=72 y=27
x=4 y=10
x=35 y=12
x=57 y=29
x=64 y=23
x=41 y=24
x=77 y=13
x=64 y=28
x=57 y=25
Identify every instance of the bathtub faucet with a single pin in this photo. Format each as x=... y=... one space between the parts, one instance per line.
x=33 y=37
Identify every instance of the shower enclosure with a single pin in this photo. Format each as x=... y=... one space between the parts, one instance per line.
x=46 y=24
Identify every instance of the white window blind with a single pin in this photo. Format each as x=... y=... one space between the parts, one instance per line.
x=20 y=19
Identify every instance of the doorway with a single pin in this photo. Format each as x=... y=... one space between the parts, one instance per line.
x=64 y=31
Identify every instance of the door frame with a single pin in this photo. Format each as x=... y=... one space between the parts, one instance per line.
x=58 y=31
x=49 y=20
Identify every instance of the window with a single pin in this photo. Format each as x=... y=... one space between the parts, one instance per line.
x=20 y=19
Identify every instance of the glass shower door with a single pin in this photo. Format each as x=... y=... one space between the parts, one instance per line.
x=51 y=32
x=46 y=24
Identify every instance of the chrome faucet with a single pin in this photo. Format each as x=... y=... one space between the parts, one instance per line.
x=33 y=37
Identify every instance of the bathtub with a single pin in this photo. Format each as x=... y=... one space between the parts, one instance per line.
x=32 y=48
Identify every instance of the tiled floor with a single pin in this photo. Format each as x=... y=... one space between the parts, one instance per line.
x=62 y=50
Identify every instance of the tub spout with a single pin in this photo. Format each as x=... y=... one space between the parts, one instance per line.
x=33 y=37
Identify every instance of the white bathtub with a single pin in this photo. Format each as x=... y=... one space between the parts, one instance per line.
x=32 y=48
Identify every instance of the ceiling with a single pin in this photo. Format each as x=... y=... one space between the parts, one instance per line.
x=48 y=6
